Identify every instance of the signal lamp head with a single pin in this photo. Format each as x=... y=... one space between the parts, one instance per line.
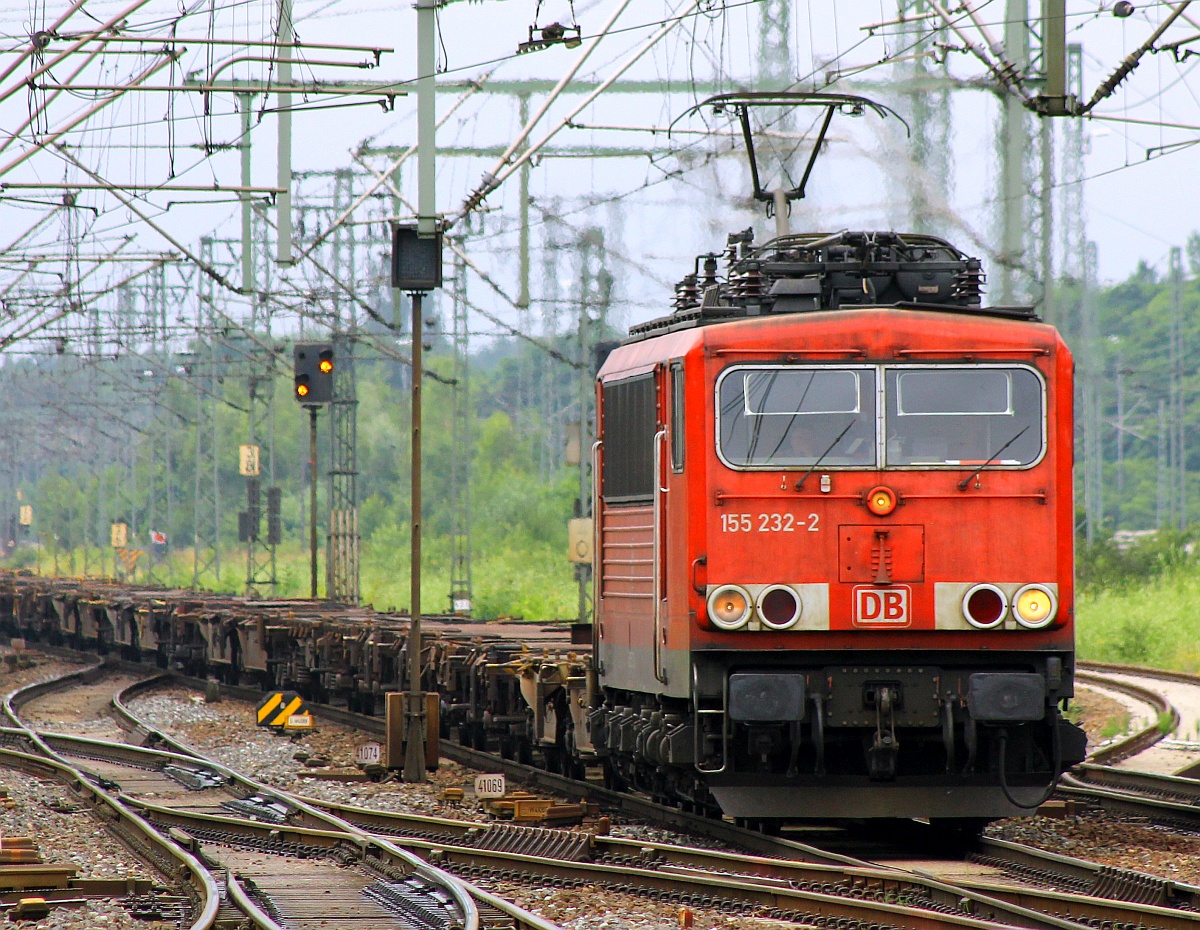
x=881 y=501
x=326 y=366
x=778 y=607
x=1034 y=606
x=984 y=606
x=729 y=607
x=302 y=389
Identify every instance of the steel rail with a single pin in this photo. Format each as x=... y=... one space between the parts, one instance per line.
x=199 y=878
x=1121 y=884
x=248 y=905
x=801 y=865
x=891 y=906
x=326 y=835
x=1097 y=893
x=311 y=817
x=1142 y=739
x=138 y=757
x=1170 y=799
x=373 y=724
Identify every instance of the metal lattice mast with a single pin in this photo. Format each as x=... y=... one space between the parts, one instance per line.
x=260 y=553
x=206 y=518
x=527 y=420
x=932 y=146
x=462 y=450
x=1075 y=304
x=159 y=434
x=1015 y=143
x=553 y=404
x=1041 y=287
x=1175 y=391
x=342 y=573
x=1162 y=511
x=1093 y=450
x=774 y=48
x=595 y=296
x=1072 y=216
x=127 y=499
x=1047 y=292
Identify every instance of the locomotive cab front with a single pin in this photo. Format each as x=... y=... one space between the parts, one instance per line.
x=834 y=561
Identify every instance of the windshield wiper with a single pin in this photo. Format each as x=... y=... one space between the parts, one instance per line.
x=821 y=457
x=962 y=485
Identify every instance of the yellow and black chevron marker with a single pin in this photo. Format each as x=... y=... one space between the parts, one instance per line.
x=284 y=709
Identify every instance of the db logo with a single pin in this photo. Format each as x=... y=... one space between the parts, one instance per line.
x=881 y=605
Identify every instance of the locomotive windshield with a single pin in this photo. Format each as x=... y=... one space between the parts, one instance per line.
x=793 y=417
x=932 y=416
x=963 y=416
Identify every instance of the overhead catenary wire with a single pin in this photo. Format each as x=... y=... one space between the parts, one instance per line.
x=476 y=198
x=514 y=146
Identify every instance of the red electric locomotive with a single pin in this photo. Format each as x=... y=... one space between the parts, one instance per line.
x=834 y=539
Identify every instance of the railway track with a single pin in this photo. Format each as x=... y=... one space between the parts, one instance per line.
x=1172 y=800
x=222 y=824
x=1010 y=894
x=786 y=879
x=188 y=895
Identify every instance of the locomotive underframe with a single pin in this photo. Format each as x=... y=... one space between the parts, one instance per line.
x=949 y=739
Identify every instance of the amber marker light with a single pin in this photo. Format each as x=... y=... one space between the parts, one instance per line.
x=301 y=390
x=729 y=607
x=326 y=366
x=1034 y=606
x=881 y=501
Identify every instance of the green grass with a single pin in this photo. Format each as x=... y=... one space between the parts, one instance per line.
x=1155 y=622
x=1148 y=616
x=533 y=583
x=1115 y=726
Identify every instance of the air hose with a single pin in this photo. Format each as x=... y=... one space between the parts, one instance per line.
x=1057 y=752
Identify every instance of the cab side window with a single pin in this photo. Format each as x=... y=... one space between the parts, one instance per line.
x=677 y=417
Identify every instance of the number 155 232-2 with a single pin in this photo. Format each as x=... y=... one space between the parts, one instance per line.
x=768 y=523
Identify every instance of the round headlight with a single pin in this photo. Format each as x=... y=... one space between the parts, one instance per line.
x=778 y=607
x=729 y=607
x=1034 y=606
x=984 y=606
x=881 y=501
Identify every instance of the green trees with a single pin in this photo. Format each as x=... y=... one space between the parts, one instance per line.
x=116 y=441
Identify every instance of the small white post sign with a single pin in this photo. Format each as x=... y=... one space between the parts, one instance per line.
x=489 y=786
x=368 y=754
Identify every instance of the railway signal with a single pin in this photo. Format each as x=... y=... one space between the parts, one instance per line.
x=313 y=369
x=314 y=365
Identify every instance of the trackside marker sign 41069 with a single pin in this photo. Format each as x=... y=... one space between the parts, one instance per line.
x=489 y=786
